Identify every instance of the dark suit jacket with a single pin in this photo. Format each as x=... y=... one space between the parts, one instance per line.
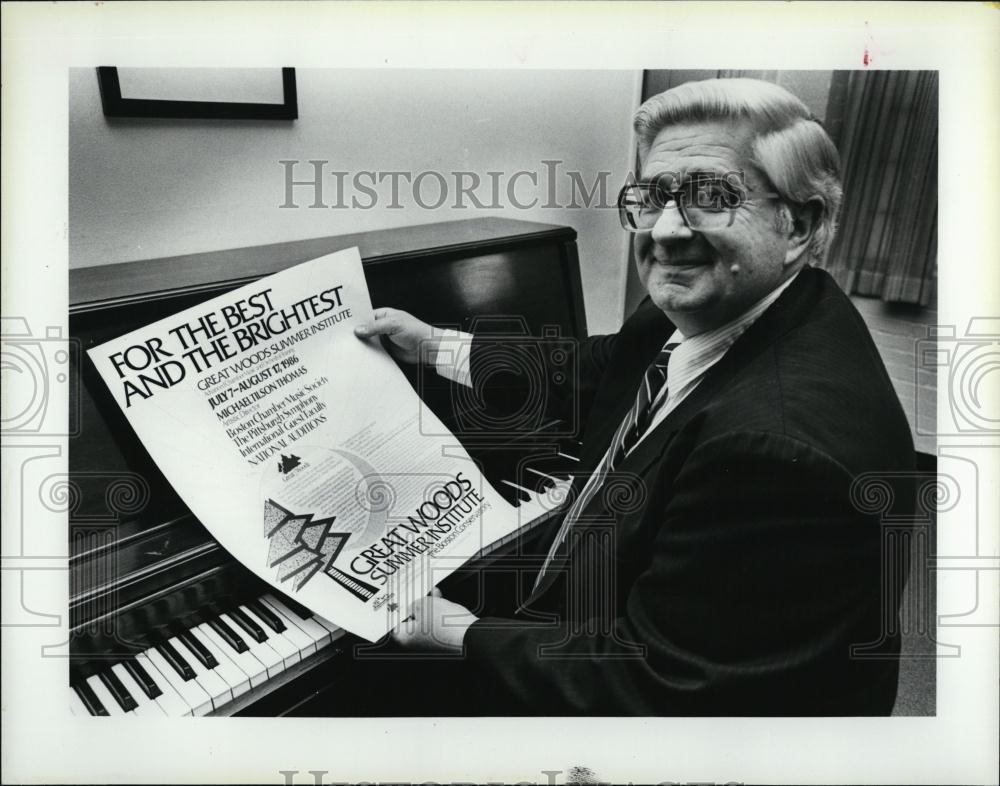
x=725 y=570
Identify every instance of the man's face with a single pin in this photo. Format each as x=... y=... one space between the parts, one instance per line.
x=690 y=274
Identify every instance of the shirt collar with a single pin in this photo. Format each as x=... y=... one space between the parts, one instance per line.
x=693 y=356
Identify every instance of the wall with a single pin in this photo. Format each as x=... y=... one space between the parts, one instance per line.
x=144 y=189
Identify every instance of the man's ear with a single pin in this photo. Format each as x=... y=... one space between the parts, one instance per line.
x=805 y=220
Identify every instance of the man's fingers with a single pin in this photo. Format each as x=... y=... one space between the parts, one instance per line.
x=436 y=593
x=404 y=631
x=382 y=313
x=384 y=326
x=417 y=607
x=385 y=322
x=401 y=635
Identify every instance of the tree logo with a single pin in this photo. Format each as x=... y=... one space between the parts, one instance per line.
x=301 y=546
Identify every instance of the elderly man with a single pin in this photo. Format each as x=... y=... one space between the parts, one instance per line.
x=742 y=399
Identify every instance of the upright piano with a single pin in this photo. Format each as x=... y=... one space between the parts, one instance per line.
x=163 y=621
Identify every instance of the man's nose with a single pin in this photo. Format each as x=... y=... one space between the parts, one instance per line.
x=670 y=226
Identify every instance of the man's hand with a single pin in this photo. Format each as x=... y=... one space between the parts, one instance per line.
x=434 y=625
x=410 y=340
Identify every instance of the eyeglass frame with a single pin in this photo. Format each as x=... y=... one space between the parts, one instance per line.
x=672 y=195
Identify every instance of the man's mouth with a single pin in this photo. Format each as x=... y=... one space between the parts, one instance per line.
x=677 y=263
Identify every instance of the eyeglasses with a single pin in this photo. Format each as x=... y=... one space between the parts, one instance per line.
x=705 y=202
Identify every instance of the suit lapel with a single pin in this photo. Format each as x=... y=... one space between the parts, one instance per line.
x=787 y=311
x=643 y=337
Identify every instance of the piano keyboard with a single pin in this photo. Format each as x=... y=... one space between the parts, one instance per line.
x=544 y=498
x=541 y=485
x=203 y=669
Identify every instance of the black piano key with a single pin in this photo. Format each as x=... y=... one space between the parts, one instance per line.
x=297 y=608
x=118 y=690
x=520 y=495
x=141 y=676
x=508 y=493
x=228 y=635
x=571 y=447
x=255 y=631
x=537 y=481
x=560 y=465
x=89 y=698
x=267 y=615
x=199 y=650
x=176 y=660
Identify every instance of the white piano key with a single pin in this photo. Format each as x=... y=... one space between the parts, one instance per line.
x=191 y=693
x=76 y=706
x=311 y=625
x=518 y=487
x=289 y=652
x=546 y=502
x=248 y=663
x=335 y=632
x=213 y=684
x=146 y=705
x=227 y=670
x=555 y=498
x=169 y=700
x=552 y=478
x=151 y=710
x=102 y=693
x=320 y=635
x=305 y=644
x=263 y=651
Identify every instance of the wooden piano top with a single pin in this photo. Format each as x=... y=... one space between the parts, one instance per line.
x=150 y=279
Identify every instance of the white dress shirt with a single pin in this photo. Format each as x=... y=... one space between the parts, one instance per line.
x=689 y=362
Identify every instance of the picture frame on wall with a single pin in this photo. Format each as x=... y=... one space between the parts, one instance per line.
x=117 y=105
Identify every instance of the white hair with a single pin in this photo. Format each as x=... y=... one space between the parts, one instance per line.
x=791 y=147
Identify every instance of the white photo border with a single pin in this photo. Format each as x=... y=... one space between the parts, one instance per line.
x=41 y=42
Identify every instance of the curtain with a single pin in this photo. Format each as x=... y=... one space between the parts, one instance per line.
x=886 y=129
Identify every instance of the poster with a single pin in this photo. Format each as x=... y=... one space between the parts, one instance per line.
x=302 y=448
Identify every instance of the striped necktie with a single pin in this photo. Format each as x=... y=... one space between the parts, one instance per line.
x=632 y=427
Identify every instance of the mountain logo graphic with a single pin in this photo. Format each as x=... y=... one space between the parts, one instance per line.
x=300 y=546
x=288 y=463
